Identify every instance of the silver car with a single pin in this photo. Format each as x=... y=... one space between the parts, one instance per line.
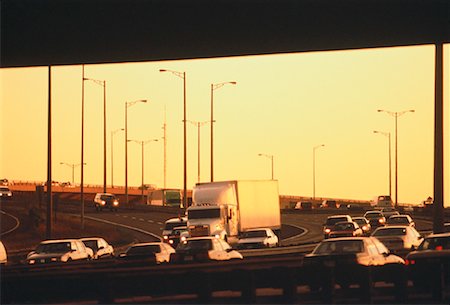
x=59 y=250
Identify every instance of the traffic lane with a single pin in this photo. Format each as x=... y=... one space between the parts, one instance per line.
x=8 y=223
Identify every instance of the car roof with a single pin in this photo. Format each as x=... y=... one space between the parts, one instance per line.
x=202 y=237
x=91 y=238
x=394 y=227
x=339 y=216
x=155 y=243
x=257 y=229
x=347 y=238
x=446 y=234
x=108 y=194
x=51 y=241
x=176 y=219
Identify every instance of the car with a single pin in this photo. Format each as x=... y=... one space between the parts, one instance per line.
x=351 y=258
x=432 y=255
x=59 y=251
x=99 y=246
x=172 y=223
x=5 y=192
x=401 y=220
x=4 y=182
x=258 y=238
x=447 y=227
x=345 y=229
x=398 y=238
x=364 y=224
x=153 y=252
x=201 y=249
x=106 y=201
x=376 y=218
x=331 y=221
x=388 y=212
x=3 y=254
x=177 y=235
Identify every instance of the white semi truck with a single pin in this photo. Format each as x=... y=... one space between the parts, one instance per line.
x=226 y=209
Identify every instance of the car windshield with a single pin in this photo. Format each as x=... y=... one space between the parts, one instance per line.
x=250 y=234
x=60 y=247
x=4 y=189
x=205 y=213
x=360 y=221
x=196 y=244
x=332 y=221
x=143 y=250
x=91 y=244
x=373 y=215
x=435 y=243
x=171 y=225
x=107 y=197
x=390 y=232
x=340 y=247
x=344 y=226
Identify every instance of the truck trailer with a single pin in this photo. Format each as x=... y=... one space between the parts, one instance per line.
x=164 y=197
x=226 y=209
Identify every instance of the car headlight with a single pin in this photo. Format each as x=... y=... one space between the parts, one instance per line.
x=171 y=241
x=165 y=237
x=54 y=259
x=102 y=202
x=381 y=220
x=327 y=230
x=183 y=238
x=116 y=203
x=31 y=261
x=217 y=236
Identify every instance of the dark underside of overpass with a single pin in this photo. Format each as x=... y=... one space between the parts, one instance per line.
x=55 y=32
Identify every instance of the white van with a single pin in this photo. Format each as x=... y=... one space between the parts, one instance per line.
x=3 y=256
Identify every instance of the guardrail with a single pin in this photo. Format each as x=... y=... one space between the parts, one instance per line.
x=112 y=281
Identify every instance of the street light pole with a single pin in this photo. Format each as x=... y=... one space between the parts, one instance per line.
x=103 y=84
x=112 y=154
x=214 y=87
x=198 y=124
x=182 y=75
x=396 y=115
x=388 y=134
x=72 y=165
x=142 y=143
x=314 y=168
x=271 y=158
x=127 y=105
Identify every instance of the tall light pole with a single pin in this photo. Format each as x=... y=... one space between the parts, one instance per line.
x=72 y=165
x=112 y=154
x=142 y=143
x=103 y=84
x=396 y=115
x=214 y=87
x=198 y=124
x=388 y=134
x=182 y=75
x=314 y=168
x=270 y=157
x=127 y=105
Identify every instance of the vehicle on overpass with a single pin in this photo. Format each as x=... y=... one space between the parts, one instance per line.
x=257 y=238
x=226 y=209
x=200 y=249
x=383 y=201
x=352 y=259
x=5 y=193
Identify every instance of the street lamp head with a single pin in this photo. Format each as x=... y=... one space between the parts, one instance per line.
x=233 y=83
x=142 y=101
x=380 y=110
x=412 y=110
x=162 y=70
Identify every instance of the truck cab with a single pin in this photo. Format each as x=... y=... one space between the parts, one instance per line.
x=212 y=220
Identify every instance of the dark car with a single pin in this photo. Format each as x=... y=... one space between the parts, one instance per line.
x=376 y=219
x=352 y=259
x=364 y=224
x=153 y=253
x=331 y=221
x=429 y=261
x=345 y=229
x=177 y=235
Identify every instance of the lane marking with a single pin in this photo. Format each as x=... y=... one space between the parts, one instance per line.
x=141 y=219
x=124 y=226
x=15 y=227
x=151 y=221
x=160 y=223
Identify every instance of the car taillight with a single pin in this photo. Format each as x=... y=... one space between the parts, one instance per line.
x=409 y=262
x=439 y=248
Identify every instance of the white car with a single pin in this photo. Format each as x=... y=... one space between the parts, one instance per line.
x=3 y=255
x=405 y=220
x=157 y=252
x=397 y=238
x=204 y=249
x=258 y=238
x=59 y=250
x=99 y=246
x=106 y=201
x=5 y=192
